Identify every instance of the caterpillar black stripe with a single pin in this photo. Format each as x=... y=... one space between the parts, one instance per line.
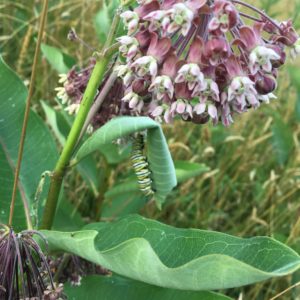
x=141 y=166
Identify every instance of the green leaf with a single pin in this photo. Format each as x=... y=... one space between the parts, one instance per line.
x=186 y=170
x=158 y=154
x=118 y=288
x=87 y=168
x=51 y=119
x=40 y=153
x=114 y=154
x=60 y=61
x=187 y=259
x=102 y=22
x=67 y=218
x=112 y=6
x=282 y=140
x=123 y=199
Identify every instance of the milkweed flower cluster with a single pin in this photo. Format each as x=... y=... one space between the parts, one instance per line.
x=198 y=59
x=73 y=86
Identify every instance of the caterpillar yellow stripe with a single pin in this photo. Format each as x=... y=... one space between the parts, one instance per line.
x=141 y=166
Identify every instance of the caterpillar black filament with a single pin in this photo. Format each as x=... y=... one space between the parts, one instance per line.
x=141 y=166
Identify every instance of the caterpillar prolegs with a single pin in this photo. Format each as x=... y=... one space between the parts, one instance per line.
x=141 y=165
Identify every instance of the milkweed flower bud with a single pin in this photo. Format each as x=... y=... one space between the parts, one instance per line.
x=265 y=84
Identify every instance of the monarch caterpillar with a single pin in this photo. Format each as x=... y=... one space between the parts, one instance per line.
x=141 y=166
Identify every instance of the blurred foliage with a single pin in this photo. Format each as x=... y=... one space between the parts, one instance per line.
x=253 y=185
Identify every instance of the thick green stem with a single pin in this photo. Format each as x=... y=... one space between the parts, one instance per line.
x=87 y=101
x=62 y=163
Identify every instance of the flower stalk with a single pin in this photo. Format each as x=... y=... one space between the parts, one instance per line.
x=26 y=118
x=95 y=80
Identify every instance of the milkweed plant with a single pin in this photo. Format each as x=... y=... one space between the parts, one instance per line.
x=198 y=61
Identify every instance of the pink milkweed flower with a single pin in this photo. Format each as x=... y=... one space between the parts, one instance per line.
x=226 y=115
x=162 y=110
x=159 y=19
x=125 y=72
x=159 y=48
x=145 y=65
x=182 y=49
x=242 y=91
x=210 y=90
x=131 y=21
x=216 y=50
x=225 y=17
x=134 y=101
x=211 y=109
x=129 y=46
x=181 y=17
x=162 y=86
x=287 y=35
x=261 y=58
x=147 y=8
x=192 y=75
x=182 y=107
x=196 y=51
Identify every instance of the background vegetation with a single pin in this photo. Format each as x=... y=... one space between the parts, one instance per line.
x=252 y=186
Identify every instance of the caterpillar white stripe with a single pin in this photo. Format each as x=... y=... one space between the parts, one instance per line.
x=141 y=166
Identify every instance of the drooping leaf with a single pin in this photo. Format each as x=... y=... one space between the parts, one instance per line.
x=118 y=288
x=59 y=61
x=158 y=154
x=187 y=259
x=40 y=153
